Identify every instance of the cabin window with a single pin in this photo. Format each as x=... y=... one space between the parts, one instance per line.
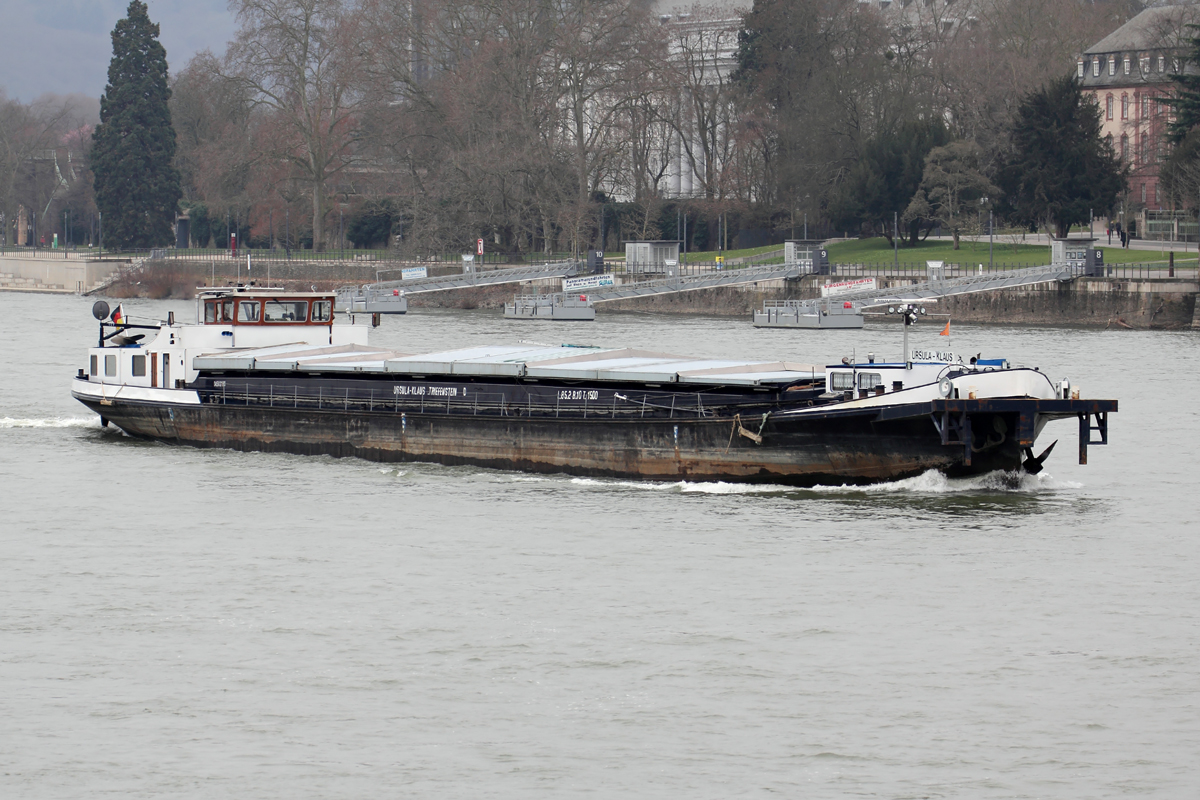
x=841 y=381
x=138 y=366
x=227 y=311
x=94 y=369
x=869 y=380
x=286 y=311
x=110 y=366
x=210 y=312
x=322 y=311
x=248 y=311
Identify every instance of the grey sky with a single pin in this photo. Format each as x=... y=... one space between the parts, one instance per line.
x=63 y=46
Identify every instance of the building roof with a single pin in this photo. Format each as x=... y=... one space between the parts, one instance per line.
x=1152 y=29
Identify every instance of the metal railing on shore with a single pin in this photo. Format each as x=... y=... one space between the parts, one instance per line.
x=1150 y=270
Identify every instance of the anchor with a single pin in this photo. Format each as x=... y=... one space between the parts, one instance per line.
x=1033 y=465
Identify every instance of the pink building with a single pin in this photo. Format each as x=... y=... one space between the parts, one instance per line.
x=1128 y=72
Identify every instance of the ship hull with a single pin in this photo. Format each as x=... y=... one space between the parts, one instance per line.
x=792 y=449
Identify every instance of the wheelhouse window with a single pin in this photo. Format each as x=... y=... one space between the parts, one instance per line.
x=94 y=370
x=869 y=380
x=841 y=381
x=210 y=312
x=137 y=366
x=249 y=311
x=227 y=310
x=110 y=366
x=286 y=311
x=322 y=311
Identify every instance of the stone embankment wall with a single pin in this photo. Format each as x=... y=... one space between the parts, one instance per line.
x=1090 y=302
x=64 y=275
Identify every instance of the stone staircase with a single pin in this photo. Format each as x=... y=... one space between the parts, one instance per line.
x=11 y=282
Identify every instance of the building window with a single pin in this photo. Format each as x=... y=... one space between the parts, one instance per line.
x=1156 y=200
x=1112 y=65
x=1145 y=64
x=1125 y=147
x=1145 y=106
x=1144 y=155
x=1079 y=68
x=1095 y=67
x=1108 y=107
x=1125 y=65
x=1162 y=64
x=1143 y=192
x=1124 y=106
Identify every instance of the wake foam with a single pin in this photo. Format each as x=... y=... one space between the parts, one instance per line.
x=934 y=482
x=687 y=487
x=930 y=482
x=58 y=422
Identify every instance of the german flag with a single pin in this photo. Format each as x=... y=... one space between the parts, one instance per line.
x=118 y=315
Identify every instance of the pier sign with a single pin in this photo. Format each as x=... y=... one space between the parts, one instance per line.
x=844 y=287
x=588 y=282
x=412 y=273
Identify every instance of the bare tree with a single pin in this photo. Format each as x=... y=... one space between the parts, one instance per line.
x=296 y=60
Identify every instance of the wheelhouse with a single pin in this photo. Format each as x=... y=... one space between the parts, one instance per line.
x=244 y=306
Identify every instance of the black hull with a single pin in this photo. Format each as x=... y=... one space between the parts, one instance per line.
x=855 y=446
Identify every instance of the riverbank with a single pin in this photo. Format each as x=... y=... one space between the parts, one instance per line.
x=1153 y=303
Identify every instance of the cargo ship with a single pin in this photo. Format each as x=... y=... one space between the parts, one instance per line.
x=269 y=370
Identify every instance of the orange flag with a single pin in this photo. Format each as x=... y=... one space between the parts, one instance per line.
x=945 y=330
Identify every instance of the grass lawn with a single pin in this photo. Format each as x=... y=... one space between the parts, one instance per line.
x=1008 y=251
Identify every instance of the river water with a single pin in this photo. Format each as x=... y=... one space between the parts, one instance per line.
x=205 y=623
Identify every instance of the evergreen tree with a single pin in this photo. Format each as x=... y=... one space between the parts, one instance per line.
x=885 y=178
x=133 y=147
x=1060 y=166
x=1186 y=102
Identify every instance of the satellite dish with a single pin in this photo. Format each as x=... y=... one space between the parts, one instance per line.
x=100 y=310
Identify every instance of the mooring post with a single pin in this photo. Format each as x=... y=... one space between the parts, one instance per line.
x=1085 y=433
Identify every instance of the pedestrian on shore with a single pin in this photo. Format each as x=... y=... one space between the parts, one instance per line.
x=1109 y=231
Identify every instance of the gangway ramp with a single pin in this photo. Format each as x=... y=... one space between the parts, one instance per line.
x=931 y=290
x=845 y=310
x=690 y=283
x=391 y=296
x=388 y=297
